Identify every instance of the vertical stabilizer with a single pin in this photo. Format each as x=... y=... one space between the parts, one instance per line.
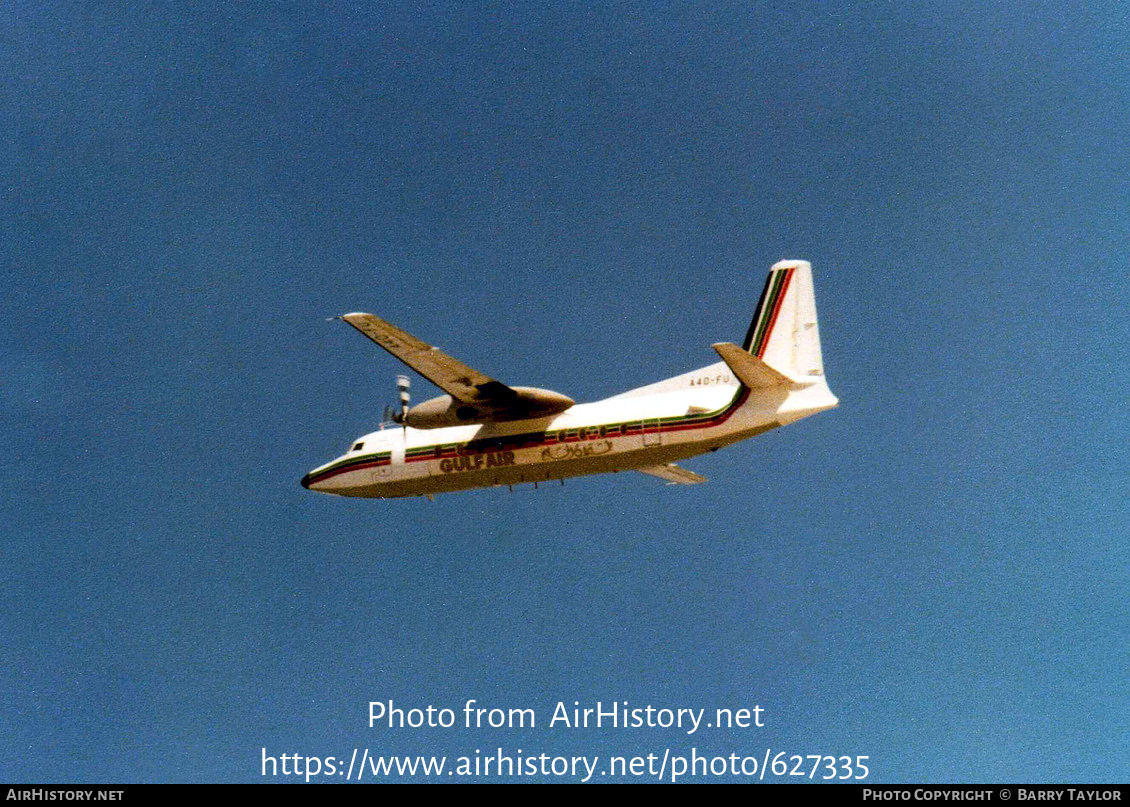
x=784 y=333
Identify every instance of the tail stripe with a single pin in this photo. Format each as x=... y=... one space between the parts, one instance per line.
x=768 y=308
x=747 y=343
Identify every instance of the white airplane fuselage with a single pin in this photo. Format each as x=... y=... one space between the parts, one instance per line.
x=699 y=412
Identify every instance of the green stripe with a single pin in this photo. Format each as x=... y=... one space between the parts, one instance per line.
x=508 y=442
x=363 y=458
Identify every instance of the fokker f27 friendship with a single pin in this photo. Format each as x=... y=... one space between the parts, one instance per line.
x=483 y=433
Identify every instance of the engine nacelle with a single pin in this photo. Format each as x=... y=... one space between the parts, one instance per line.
x=530 y=402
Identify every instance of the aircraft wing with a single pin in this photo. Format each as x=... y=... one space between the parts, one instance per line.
x=672 y=474
x=450 y=375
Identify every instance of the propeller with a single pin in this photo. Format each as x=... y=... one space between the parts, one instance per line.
x=402 y=385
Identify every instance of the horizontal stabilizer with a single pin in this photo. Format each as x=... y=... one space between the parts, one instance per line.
x=750 y=370
x=672 y=474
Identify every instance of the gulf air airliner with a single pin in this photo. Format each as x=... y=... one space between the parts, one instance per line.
x=484 y=433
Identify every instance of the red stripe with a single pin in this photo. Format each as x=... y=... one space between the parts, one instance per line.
x=348 y=468
x=718 y=420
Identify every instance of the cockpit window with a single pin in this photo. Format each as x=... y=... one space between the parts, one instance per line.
x=358 y=446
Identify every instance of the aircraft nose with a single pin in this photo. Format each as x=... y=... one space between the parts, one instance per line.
x=306 y=481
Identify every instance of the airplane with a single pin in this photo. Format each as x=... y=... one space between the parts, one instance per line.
x=483 y=433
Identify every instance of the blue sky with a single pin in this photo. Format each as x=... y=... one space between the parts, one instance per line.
x=581 y=198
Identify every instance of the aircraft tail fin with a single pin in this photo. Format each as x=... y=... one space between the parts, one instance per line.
x=784 y=333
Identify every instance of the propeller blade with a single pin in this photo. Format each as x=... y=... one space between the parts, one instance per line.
x=402 y=384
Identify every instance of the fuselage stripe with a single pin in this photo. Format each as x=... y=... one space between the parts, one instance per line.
x=539 y=439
